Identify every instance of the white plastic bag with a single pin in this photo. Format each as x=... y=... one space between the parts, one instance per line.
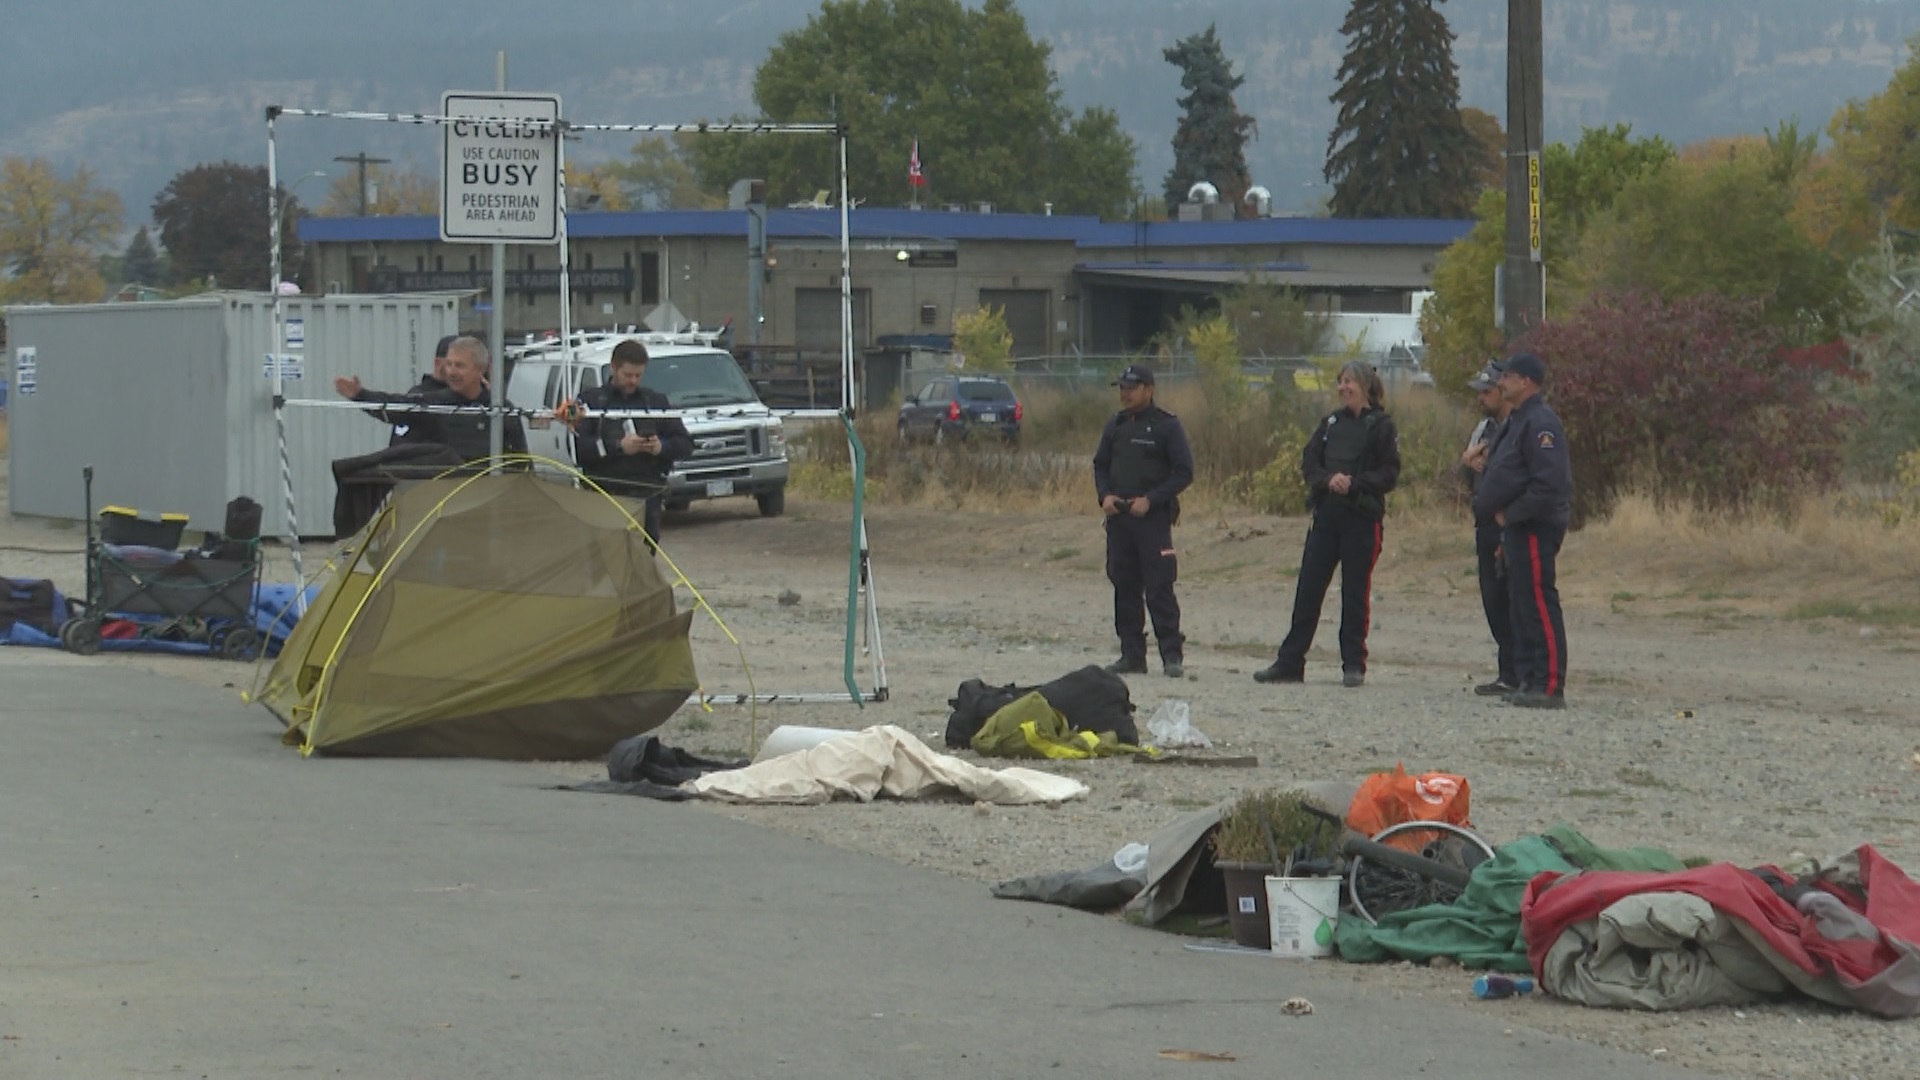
x=1172 y=726
x=1131 y=859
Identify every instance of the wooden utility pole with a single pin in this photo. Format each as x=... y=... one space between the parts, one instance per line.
x=1523 y=299
x=362 y=160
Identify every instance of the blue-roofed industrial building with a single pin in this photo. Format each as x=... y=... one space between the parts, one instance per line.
x=1068 y=284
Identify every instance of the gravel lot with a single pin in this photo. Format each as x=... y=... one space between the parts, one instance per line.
x=1751 y=739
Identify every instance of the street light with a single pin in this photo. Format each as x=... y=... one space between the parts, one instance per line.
x=294 y=188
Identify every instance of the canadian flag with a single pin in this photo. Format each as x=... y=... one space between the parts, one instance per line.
x=915 y=177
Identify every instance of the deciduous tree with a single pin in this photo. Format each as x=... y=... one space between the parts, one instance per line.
x=1577 y=182
x=972 y=86
x=1210 y=143
x=53 y=229
x=389 y=192
x=1874 y=139
x=1697 y=400
x=1722 y=225
x=213 y=221
x=1399 y=148
x=656 y=175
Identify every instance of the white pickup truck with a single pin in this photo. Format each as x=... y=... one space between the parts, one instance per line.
x=739 y=445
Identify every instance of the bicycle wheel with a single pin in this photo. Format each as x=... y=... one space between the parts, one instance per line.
x=1412 y=864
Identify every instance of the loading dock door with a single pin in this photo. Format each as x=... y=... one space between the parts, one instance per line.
x=1026 y=312
x=816 y=315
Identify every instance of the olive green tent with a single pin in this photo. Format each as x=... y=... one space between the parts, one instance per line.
x=498 y=616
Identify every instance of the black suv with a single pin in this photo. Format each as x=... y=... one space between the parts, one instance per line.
x=955 y=406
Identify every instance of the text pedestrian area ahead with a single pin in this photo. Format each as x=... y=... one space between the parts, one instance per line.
x=500 y=170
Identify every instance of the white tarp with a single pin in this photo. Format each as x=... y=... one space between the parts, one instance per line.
x=883 y=760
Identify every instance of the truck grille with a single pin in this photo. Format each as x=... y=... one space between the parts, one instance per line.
x=722 y=446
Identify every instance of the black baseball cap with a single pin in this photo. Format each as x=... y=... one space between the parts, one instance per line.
x=1485 y=377
x=1135 y=375
x=1525 y=365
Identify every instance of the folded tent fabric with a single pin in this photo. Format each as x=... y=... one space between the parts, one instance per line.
x=883 y=760
x=1850 y=935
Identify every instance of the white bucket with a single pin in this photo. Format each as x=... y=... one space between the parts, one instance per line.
x=1302 y=914
x=788 y=738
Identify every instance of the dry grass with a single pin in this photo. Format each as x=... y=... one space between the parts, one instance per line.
x=1831 y=558
x=1822 y=559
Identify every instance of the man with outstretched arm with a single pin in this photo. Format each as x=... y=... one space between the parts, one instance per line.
x=462 y=423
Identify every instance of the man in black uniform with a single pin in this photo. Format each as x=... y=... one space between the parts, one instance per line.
x=1527 y=490
x=631 y=456
x=1139 y=471
x=1486 y=535
x=1350 y=463
x=432 y=382
x=465 y=432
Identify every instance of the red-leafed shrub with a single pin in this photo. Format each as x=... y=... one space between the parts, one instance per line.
x=1695 y=400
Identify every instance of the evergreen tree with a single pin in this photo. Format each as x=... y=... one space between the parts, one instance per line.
x=1400 y=148
x=140 y=263
x=1211 y=141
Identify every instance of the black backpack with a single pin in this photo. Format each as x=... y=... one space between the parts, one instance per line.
x=973 y=703
x=1094 y=699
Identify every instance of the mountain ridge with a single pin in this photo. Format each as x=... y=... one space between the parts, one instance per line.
x=157 y=98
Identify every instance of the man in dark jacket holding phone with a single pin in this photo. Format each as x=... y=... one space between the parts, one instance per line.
x=631 y=456
x=1527 y=490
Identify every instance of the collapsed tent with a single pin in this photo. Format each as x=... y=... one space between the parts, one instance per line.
x=1848 y=934
x=499 y=616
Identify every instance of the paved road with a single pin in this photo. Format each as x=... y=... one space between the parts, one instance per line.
x=185 y=897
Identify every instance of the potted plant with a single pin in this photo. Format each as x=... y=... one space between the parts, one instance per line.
x=1264 y=833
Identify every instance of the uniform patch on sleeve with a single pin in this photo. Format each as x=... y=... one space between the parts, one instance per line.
x=1546 y=440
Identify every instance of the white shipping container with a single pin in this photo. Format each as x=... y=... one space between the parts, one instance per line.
x=171 y=402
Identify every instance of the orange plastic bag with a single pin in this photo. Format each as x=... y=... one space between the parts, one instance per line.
x=1389 y=798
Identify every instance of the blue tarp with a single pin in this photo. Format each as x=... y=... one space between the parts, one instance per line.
x=273 y=616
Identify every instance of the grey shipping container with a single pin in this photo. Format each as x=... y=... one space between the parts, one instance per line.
x=171 y=402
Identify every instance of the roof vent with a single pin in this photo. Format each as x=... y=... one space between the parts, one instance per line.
x=1203 y=192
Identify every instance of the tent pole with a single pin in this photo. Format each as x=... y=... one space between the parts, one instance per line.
x=278 y=361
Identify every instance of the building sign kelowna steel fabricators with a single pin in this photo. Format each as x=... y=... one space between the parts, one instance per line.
x=391 y=279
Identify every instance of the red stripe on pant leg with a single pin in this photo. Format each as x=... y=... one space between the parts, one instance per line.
x=1366 y=624
x=1546 y=624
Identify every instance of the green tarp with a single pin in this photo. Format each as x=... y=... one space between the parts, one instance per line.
x=1482 y=928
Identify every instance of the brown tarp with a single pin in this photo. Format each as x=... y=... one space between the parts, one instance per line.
x=502 y=616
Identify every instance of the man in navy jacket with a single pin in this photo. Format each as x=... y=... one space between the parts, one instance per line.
x=1527 y=490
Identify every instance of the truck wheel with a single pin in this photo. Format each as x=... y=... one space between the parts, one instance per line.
x=773 y=503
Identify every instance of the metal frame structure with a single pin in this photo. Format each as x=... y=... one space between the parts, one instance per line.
x=861 y=595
